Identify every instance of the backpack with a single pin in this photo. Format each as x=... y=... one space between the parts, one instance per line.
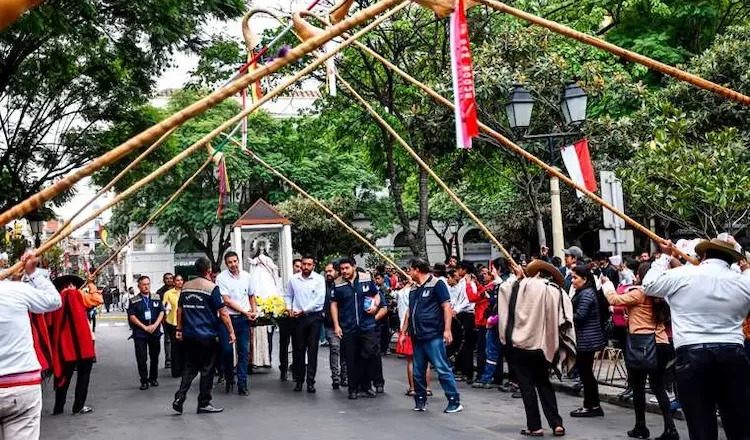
x=604 y=313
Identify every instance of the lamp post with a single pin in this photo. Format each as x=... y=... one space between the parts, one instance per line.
x=573 y=108
x=454 y=239
x=36 y=223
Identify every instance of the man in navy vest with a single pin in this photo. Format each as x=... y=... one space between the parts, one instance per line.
x=428 y=322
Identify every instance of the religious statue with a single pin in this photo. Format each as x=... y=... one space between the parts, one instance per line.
x=264 y=282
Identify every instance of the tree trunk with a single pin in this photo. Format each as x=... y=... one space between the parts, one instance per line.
x=540 y=230
x=396 y=190
x=424 y=213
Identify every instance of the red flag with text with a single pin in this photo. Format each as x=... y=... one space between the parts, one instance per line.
x=467 y=126
x=578 y=163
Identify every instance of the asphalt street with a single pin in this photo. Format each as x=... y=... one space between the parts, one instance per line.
x=274 y=411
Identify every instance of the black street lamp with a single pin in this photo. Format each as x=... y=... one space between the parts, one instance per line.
x=36 y=222
x=573 y=104
x=519 y=107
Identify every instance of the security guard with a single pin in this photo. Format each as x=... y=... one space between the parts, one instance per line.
x=145 y=315
x=354 y=303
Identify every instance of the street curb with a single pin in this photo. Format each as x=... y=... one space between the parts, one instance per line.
x=614 y=400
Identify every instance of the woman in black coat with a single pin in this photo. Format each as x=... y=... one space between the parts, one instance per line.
x=589 y=339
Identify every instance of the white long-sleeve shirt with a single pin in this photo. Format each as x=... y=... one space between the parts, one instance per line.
x=708 y=302
x=17 y=299
x=306 y=294
x=462 y=303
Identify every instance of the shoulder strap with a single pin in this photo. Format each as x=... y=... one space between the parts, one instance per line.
x=511 y=322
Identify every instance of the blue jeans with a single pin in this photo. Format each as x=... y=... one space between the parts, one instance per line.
x=494 y=353
x=242 y=333
x=432 y=350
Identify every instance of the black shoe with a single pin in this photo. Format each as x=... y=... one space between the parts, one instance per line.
x=640 y=432
x=243 y=392
x=144 y=386
x=154 y=383
x=177 y=406
x=587 y=412
x=209 y=409
x=228 y=387
x=168 y=364
x=379 y=390
x=469 y=381
x=298 y=387
x=368 y=394
x=335 y=386
x=345 y=383
x=353 y=395
x=671 y=434
x=311 y=389
x=283 y=377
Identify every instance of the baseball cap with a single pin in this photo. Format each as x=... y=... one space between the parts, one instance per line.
x=574 y=251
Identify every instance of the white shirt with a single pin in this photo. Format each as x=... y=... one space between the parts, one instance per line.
x=237 y=288
x=462 y=303
x=402 y=304
x=17 y=299
x=708 y=302
x=306 y=295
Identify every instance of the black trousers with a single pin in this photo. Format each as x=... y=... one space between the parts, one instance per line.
x=532 y=371
x=656 y=381
x=360 y=348
x=306 y=342
x=147 y=349
x=378 y=379
x=385 y=335
x=465 y=356
x=175 y=350
x=286 y=335
x=711 y=375
x=481 y=338
x=82 y=385
x=585 y=364
x=200 y=357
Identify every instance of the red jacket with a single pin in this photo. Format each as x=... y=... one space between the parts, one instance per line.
x=71 y=334
x=481 y=302
x=42 y=346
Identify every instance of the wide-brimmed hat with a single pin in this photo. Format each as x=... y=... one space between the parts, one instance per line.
x=62 y=281
x=717 y=245
x=537 y=266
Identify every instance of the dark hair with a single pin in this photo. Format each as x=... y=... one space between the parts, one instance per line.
x=202 y=266
x=348 y=261
x=585 y=273
x=379 y=274
x=712 y=253
x=643 y=269
x=452 y=257
x=467 y=266
x=230 y=254
x=164 y=277
x=419 y=264
x=556 y=261
x=380 y=268
x=451 y=273
x=143 y=277
x=215 y=268
x=296 y=260
x=439 y=269
x=179 y=275
x=307 y=257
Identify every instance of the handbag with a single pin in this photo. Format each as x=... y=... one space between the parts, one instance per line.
x=640 y=353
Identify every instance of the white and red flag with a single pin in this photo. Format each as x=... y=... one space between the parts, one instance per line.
x=577 y=160
x=467 y=126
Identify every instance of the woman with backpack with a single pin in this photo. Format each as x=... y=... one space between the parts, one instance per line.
x=589 y=338
x=648 y=352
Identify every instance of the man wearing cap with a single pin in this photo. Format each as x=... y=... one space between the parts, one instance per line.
x=708 y=304
x=573 y=257
x=524 y=307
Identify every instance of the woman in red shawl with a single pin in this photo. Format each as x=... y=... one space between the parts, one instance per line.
x=72 y=343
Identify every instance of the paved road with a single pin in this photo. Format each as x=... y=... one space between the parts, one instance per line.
x=274 y=411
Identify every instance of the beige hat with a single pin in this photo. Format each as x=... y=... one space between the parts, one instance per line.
x=537 y=266
x=719 y=246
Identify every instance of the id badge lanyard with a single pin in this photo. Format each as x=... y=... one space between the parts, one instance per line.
x=147 y=312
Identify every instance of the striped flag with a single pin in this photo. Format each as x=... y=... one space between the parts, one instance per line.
x=223 y=186
x=256 y=93
x=577 y=160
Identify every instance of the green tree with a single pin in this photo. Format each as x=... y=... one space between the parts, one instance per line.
x=70 y=68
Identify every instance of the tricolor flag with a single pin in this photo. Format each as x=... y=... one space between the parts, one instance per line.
x=467 y=126
x=331 y=69
x=577 y=161
x=223 y=186
x=256 y=93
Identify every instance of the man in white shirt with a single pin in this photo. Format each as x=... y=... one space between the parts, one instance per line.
x=708 y=303
x=305 y=299
x=234 y=284
x=20 y=372
x=463 y=310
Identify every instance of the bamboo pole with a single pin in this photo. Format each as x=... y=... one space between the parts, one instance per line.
x=620 y=52
x=383 y=123
x=149 y=135
x=112 y=182
x=327 y=211
x=150 y=220
x=525 y=154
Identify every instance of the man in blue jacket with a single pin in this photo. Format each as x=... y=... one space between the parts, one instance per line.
x=428 y=320
x=354 y=303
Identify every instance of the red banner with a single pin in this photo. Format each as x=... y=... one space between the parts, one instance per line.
x=467 y=126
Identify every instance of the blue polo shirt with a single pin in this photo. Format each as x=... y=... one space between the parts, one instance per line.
x=200 y=301
x=139 y=306
x=426 y=319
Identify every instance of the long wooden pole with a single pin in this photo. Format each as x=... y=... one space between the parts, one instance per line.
x=327 y=211
x=149 y=135
x=620 y=52
x=114 y=181
x=525 y=154
x=151 y=219
x=383 y=123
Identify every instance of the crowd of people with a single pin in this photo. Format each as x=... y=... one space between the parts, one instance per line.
x=679 y=325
